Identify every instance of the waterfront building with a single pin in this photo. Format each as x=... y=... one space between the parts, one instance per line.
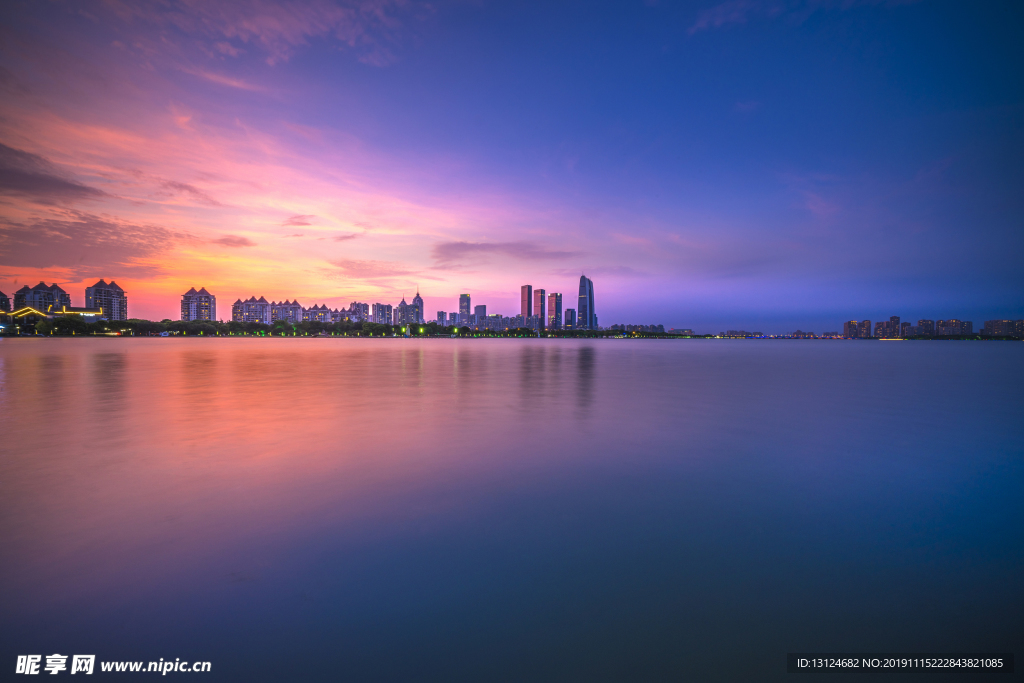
x=540 y=307
x=526 y=301
x=953 y=328
x=888 y=329
x=554 y=319
x=382 y=313
x=586 y=316
x=926 y=328
x=999 y=328
x=405 y=314
x=464 y=308
x=417 y=304
x=570 y=318
x=442 y=318
x=5 y=303
x=318 y=313
x=480 y=312
x=453 y=318
x=252 y=310
x=850 y=329
x=199 y=305
x=864 y=329
x=359 y=311
x=42 y=297
x=109 y=297
x=289 y=311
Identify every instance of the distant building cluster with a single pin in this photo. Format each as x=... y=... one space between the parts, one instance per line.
x=894 y=329
x=103 y=301
x=202 y=305
x=538 y=310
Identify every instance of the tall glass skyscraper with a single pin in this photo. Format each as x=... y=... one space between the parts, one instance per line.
x=463 y=308
x=540 y=307
x=586 y=318
x=554 y=311
x=526 y=301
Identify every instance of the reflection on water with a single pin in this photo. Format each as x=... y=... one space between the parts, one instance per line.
x=307 y=509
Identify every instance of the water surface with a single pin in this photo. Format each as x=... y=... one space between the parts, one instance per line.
x=545 y=510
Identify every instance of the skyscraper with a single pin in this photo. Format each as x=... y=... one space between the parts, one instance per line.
x=586 y=315
x=417 y=303
x=110 y=297
x=526 y=301
x=464 y=308
x=199 y=305
x=540 y=306
x=5 y=303
x=383 y=314
x=480 y=312
x=554 y=311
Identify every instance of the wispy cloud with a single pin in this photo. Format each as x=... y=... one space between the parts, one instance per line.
x=366 y=26
x=234 y=241
x=371 y=269
x=86 y=244
x=30 y=175
x=345 y=238
x=742 y=11
x=221 y=79
x=296 y=221
x=450 y=254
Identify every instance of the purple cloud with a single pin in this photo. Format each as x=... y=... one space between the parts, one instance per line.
x=448 y=254
x=234 y=241
x=29 y=175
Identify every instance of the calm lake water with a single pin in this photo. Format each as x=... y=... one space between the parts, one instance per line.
x=508 y=510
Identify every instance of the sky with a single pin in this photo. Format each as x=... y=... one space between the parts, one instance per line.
x=764 y=165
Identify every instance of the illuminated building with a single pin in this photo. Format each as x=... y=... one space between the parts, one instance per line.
x=540 y=306
x=199 y=305
x=586 y=316
x=526 y=301
x=42 y=297
x=554 y=311
x=110 y=297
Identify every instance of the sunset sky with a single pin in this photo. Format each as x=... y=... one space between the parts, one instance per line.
x=756 y=164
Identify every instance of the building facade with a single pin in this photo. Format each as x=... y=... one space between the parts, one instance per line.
x=464 y=308
x=417 y=304
x=359 y=311
x=252 y=310
x=382 y=313
x=586 y=315
x=540 y=307
x=526 y=301
x=109 y=297
x=288 y=311
x=199 y=305
x=42 y=297
x=570 y=319
x=554 y=311
x=5 y=303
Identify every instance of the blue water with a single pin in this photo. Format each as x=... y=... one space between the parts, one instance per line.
x=543 y=510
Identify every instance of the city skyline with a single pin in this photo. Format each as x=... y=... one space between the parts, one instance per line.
x=718 y=176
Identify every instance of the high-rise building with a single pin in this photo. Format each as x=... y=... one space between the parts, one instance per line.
x=464 y=308
x=850 y=329
x=570 y=318
x=540 y=307
x=382 y=314
x=905 y=330
x=999 y=328
x=554 y=311
x=417 y=304
x=526 y=301
x=953 y=328
x=5 y=303
x=109 y=297
x=864 y=329
x=405 y=314
x=359 y=311
x=480 y=312
x=442 y=318
x=42 y=297
x=586 y=316
x=199 y=305
x=927 y=327
x=252 y=310
x=453 y=318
